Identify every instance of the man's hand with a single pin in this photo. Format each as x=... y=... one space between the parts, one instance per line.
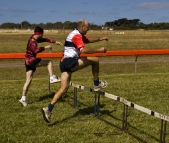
x=49 y=47
x=104 y=38
x=103 y=49
x=87 y=50
x=59 y=43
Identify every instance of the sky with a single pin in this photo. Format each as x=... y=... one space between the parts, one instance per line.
x=94 y=11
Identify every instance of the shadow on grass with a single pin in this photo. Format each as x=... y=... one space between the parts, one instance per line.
x=47 y=96
x=90 y=111
x=142 y=132
x=84 y=111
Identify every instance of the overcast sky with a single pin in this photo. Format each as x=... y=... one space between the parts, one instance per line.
x=95 y=11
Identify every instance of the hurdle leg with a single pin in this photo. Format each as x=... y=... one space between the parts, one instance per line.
x=163 y=131
x=75 y=97
x=95 y=106
x=98 y=104
x=125 y=114
x=49 y=84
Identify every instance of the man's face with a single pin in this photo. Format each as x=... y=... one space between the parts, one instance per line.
x=40 y=36
x=85 y=28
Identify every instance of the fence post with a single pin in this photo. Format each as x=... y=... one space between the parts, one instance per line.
x=136 y=63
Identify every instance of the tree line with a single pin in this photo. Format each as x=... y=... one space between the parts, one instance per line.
x=120 y=24
x=134 y=24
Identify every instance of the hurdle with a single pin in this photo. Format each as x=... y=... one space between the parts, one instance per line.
x=164 y=118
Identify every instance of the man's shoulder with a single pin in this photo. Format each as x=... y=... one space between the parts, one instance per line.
x=75 y=32
x=31 y=38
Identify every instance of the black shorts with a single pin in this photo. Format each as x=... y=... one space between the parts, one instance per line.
x=68 y=63
x=32 y=66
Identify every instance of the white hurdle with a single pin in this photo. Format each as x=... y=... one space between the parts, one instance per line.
x=164 y=118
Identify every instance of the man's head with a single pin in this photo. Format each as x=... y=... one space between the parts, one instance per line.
x=38 y=31
x=83 y=26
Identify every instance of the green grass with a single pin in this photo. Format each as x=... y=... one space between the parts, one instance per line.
x=147 y=88
x=69 y=124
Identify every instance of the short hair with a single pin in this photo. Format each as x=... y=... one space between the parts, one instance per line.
x=38 y=29
x=81 y=22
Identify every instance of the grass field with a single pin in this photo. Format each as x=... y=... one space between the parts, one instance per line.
x=147 y=88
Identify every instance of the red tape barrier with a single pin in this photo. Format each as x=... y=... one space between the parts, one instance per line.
x=108 y=53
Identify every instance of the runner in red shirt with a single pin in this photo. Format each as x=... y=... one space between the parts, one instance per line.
x=31 y=62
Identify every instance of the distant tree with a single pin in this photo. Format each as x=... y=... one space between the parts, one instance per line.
x=9 y=25
x=58 y=25
x=142 y=26
x=66 y=24
x=33 y=26
x=123 y=23
x=41 y=25
x=49 y=25
x=25 y=25
x=73 y=25
x=165 y=25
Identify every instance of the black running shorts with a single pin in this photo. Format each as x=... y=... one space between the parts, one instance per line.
x=68 y=63
x=32 y=66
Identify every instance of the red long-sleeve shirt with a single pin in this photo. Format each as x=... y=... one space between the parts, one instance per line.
x=32 y=48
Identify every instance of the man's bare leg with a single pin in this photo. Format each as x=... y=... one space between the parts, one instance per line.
x=65 y=80
x=29 y=76
x=49 y=65
x=87 y=61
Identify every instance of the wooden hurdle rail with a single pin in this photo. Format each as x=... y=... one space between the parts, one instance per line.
x=164 y=118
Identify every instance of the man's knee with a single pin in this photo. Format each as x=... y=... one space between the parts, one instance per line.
x=49 y=62
x=28 y=81
x=94 y=59
x=45 y=63
x=63 y=89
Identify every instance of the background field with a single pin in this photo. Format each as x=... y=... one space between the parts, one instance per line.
x=147 y=88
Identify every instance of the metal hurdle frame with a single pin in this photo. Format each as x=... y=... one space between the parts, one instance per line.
x=164 y=118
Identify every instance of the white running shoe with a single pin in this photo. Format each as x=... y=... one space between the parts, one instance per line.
x=23 y=102
x=54 y=79
x=102 y=84
x=46 y=114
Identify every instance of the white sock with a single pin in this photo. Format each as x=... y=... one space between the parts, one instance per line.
x=23 y=98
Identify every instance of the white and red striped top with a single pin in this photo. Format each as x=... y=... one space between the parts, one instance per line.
x=74 y=43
